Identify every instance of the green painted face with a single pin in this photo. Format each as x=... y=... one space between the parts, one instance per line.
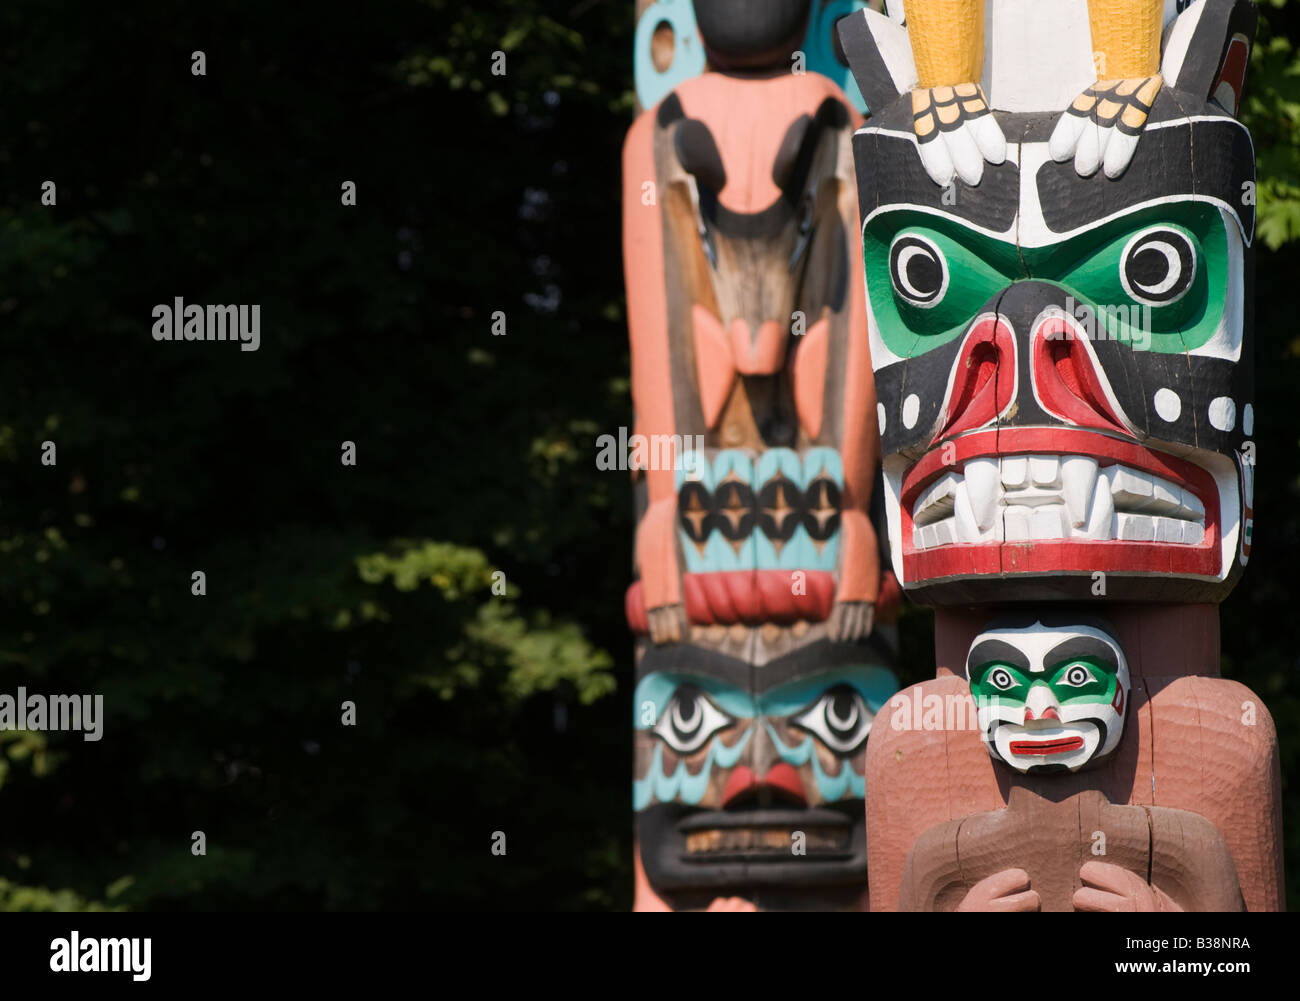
x=942 y=273
x=1049 y=697
x=1071 y=681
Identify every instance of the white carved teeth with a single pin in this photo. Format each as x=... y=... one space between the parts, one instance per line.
x=982 y=483
x=937 y=502
x=1015 y=471
x=967 y=526
x=1028 y=498
x=1101 y=518
x=1078 y=483
x=1044 y=470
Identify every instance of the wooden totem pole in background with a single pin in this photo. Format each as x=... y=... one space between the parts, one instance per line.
x=760 y=661
x=1057 y=219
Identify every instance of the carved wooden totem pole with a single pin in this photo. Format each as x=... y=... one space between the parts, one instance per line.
x=1057 y=218
x=760 y=658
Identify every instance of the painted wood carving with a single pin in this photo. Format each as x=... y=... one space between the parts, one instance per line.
x=763 y=650
x=1057 y=221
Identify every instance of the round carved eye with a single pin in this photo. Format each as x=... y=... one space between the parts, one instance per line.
x=1077 y=676
x=918 y=270
x=1158 y=266
x=1000 y=678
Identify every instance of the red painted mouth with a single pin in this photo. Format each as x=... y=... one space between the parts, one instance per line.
x=1078 y=553
x=1060 y=746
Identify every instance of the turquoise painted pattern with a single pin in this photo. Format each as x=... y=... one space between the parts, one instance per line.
x=653 y=698
x=799 y=552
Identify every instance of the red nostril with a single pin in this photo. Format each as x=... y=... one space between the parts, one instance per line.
x=780 y=776
x=739 y=782
x=1051 y=713
x=984 y=380
x=1067 y=379
x=785 y=778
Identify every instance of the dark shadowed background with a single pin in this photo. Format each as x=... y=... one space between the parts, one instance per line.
x=476 y=712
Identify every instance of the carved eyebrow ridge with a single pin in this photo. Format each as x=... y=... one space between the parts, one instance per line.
x=1082 y=646
x=995 y=650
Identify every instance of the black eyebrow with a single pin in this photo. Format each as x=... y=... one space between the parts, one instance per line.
x=1163 y=165
x=890 y=174
x=677 y=658
x=1082 y=646
x=988 y=651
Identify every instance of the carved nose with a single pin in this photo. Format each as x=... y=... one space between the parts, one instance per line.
x=1041 y=704
x=1068 y=381
x=983 y=380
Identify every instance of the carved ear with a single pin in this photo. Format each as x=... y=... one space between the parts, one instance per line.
x=880 y=56
x=698 y=154
x=1207 y=48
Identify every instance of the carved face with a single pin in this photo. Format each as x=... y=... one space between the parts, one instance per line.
x=1062 y=394
x=1050 y=698
x=752 y=784
x=1064 y=364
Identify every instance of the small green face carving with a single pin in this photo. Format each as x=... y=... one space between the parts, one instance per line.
x=1049 y=698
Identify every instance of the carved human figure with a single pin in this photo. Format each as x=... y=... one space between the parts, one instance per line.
x=1051 y=701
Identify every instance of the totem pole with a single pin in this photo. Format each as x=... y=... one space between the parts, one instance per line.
x=1057 y=221
x=762 y=653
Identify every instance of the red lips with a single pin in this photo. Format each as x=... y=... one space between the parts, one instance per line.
x=1046 y=746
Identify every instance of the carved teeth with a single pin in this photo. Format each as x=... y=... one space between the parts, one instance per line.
x=1101 y=518
x=1028 y=498
x=1015 y=471
x=937 y=502
x=1078 y=483
x=1043 y=470
x=967 y=527
x=984 y=490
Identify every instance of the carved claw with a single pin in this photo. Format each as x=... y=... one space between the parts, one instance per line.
x=667 y=623
x=956 y=133
x=1101 y=128
x=851 y=620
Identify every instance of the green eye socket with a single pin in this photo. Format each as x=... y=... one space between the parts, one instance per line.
x=1076 y=676
x=928 y=277
x=997 y=682
x=1157 y=279
x=1083 y=679
x=1000 y=678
